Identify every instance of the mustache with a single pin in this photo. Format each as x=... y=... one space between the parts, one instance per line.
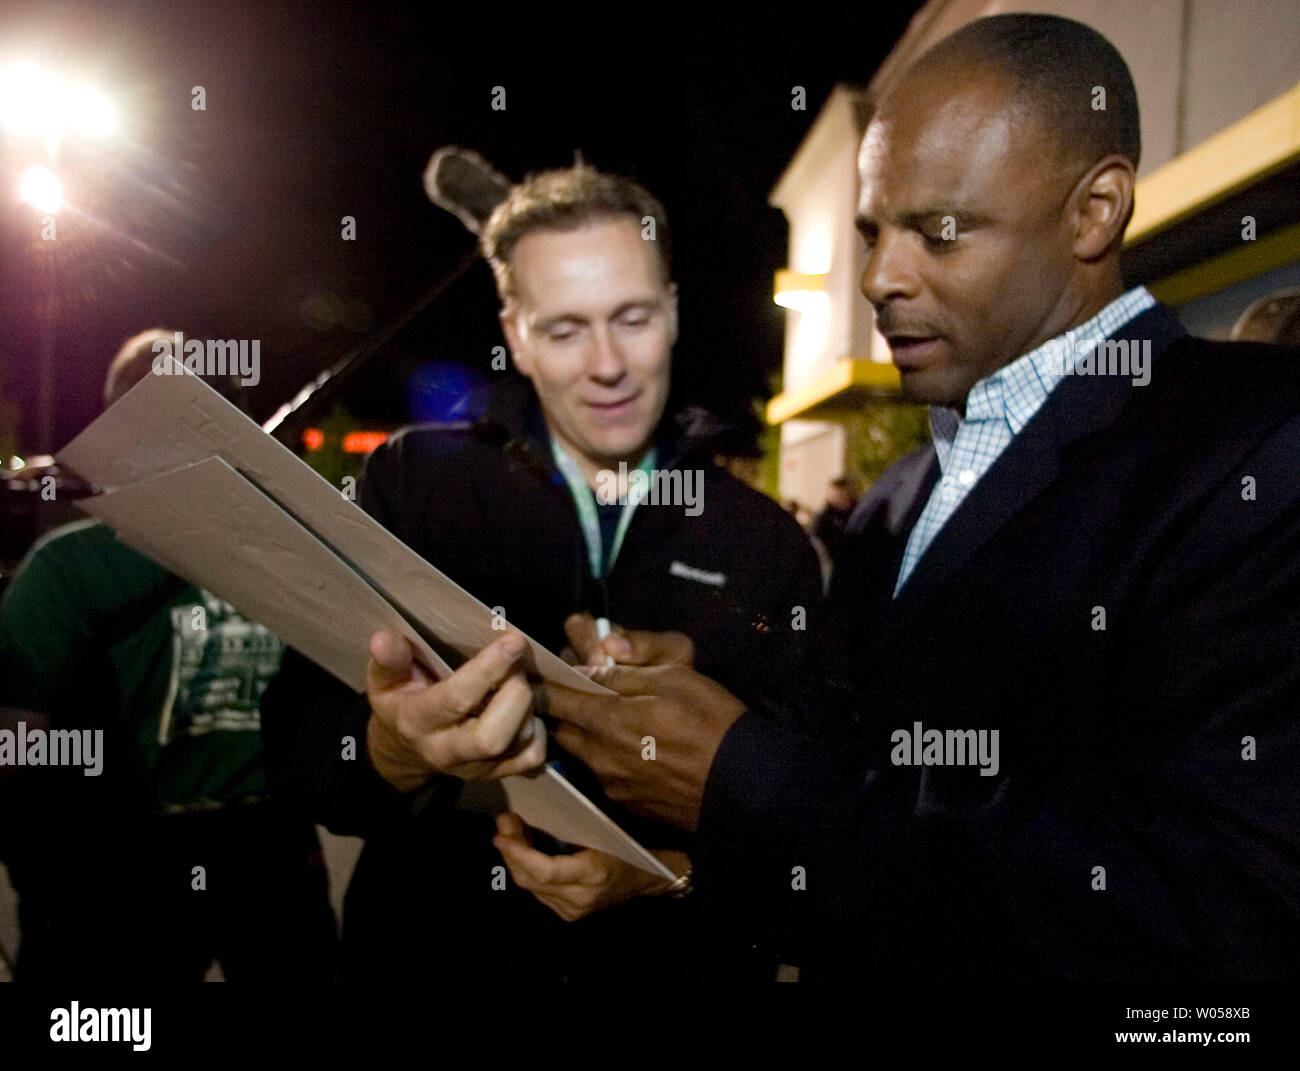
x=892 y=326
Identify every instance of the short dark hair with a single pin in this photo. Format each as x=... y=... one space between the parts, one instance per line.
x=1056 y=65
x=565 y=200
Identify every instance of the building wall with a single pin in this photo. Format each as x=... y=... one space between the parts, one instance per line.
x=1240 y=55
x=812 y=452
x=818 y=195
x=813 y=457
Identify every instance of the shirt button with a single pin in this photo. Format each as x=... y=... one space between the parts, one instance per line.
x=967 y=477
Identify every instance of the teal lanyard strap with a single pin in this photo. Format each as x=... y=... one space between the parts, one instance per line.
x=583 y=499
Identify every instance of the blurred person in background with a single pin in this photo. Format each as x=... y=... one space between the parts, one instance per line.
x=174 y=854
x=834 y=517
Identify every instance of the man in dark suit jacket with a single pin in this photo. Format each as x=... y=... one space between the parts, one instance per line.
x=1058 y=726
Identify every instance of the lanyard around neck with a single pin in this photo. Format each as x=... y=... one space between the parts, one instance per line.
x=584 y=500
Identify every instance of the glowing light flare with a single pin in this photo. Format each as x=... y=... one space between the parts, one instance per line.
x=36 y=104
x=40 y=187
x=362 y=442
x=802 y=291
x=354 y=442
x=89 y=112
x=29 y=100
x=801 y=300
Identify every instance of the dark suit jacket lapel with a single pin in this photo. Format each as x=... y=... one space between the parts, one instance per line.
x=862 y=582
x=1078 y=406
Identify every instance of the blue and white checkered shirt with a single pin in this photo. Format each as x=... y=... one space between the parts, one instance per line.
x=997 y=407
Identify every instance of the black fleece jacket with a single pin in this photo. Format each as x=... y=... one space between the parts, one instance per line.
x=486 y=505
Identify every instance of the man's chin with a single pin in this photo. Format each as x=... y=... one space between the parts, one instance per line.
x=609 y=453
x=926 y=387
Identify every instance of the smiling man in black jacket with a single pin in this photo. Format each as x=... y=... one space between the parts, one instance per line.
x=577 y=496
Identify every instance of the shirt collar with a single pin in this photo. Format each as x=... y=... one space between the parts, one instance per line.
x=1015 y=392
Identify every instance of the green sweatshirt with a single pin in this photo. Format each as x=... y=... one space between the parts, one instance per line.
x=95 y=635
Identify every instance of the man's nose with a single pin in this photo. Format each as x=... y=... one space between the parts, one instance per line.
x=890 y=273
x=605 y=361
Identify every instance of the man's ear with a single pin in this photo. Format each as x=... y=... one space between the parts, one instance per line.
x=1103 y=206
x=509 y=317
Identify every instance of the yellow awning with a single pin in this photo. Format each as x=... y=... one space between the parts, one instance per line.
x=844 y=386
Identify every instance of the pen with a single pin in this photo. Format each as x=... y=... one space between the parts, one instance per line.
x=602 y=632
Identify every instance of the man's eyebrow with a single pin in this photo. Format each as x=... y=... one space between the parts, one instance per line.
x=963 y=218
x=554 y=321
x=915 y=217
x=574 y=318
x=638 y=304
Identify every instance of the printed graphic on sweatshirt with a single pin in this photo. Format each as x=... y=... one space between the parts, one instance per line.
x=221 y=664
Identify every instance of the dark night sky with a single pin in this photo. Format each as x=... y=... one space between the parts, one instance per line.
x=225 y=222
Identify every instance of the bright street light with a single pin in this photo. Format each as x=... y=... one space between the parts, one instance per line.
x=35 y=103
x=90 y=112
x=40 y=187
